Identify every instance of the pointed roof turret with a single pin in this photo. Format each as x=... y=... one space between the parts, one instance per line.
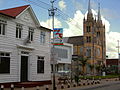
x=89 y=7
x=99 y=15
x=89 y=14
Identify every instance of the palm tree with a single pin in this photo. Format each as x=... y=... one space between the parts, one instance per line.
x=98 y=68
x=91 y=66
x=83 y=63
x=79 y=61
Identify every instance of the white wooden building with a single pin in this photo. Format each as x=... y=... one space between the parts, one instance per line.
x=63 y=57
x=24 y=46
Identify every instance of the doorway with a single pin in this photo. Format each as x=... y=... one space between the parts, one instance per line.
x=24 y=68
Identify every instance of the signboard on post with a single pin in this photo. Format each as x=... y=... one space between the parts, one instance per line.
x=58 y=36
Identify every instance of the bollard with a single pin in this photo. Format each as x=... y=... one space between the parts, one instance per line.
x=47 y=88
x=84 y=84
x=98 y=81
x=55 y=87
x=12 y=87
x=2 y=87
x=22 y=88
x=68 y=86
x=62 y=86
x=79 y=84
x=95 y=82
x=37 y=88
x=92 y=82
x=88 y=83
x=74 y=85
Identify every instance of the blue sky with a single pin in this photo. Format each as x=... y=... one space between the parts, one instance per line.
x=109 y=9
x=76 y=10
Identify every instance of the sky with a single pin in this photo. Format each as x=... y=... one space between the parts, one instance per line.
x=71 y=18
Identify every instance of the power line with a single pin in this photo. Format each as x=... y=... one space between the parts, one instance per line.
x=41 y=4
x=60 y=13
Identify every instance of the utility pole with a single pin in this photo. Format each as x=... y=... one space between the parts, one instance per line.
x=118 y=55
x=52 y=14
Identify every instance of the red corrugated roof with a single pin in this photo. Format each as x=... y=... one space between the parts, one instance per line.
x=13 y=12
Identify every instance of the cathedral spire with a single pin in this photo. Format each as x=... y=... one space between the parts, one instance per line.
x=99 y=15
x=89 y=7
x=89 y=14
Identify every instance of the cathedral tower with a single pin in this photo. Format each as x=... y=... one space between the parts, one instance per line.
x=94 y=37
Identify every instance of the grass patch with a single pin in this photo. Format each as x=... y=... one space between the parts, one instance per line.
x=99 y=77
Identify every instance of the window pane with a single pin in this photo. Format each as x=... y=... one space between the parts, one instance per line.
x=31 y=36
x=4 y=64
x=40 y=66
x=42 y=37
x=20 y=33
x=7 y=54
x=3 y=33
x=16 y=32
x=0 y=29
x=62 y=53
x=1 y=54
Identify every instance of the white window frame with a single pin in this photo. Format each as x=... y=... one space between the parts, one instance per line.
x=30 y=33
x=40 y=58
x=42 y=37
x=19 y=27
x=2 y=56
x=3 y=30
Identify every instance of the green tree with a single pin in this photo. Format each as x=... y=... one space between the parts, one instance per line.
x=80 y=61
x=98 y=68
x=91 y=66
x=83 y=63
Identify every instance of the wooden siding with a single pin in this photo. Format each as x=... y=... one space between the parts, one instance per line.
x=8 y=43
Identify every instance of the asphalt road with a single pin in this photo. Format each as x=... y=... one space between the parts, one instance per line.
x=108 y=86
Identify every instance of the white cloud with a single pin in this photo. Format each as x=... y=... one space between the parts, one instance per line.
x=75 y=28
x=111 y=40
x=75 y=25
x=48 y=23
x=62 y=4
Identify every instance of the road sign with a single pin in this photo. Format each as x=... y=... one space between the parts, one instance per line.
x=58 y=36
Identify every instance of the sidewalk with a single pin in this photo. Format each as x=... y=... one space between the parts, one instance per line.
x=91 y=87
x=83 y=84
